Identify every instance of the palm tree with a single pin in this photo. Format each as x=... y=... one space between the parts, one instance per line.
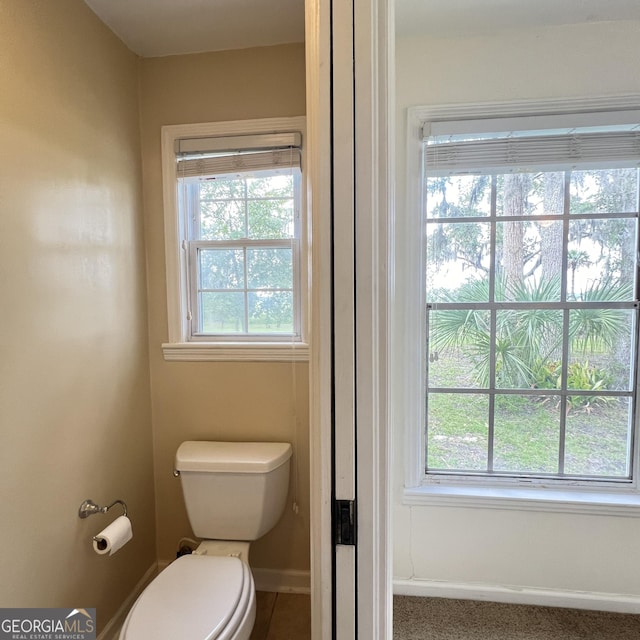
x=526 y=339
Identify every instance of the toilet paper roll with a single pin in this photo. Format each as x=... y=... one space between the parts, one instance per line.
x=114 y=537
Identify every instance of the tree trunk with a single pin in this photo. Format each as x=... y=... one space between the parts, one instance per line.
x=551 y=255
x=627 y=268
x=516 y=189
x=551 y=231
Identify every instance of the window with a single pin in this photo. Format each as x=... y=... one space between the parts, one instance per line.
x=530 y=308
x=242 y=241
x=235 y=245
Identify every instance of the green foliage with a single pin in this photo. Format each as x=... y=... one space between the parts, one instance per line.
x=581 y=376
x=463 y=242
x=234 y=207
x=521 y=335
x=594 y=329
x=527 y=430
x=526 y=340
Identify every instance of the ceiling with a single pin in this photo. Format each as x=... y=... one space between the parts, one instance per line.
x=153 y=28
x=166 y=27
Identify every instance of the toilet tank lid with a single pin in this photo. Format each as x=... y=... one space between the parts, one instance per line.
x=232 y=457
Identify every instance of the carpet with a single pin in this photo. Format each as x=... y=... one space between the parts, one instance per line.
x=445 y=619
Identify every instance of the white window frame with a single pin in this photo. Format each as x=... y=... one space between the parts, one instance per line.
x=410 y=333
x=179 y=345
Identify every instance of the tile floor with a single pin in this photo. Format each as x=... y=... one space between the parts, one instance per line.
x=282 y=616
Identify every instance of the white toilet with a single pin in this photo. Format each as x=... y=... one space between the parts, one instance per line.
x=234 y=493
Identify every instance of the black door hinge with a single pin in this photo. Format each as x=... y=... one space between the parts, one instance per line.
x=344 y=522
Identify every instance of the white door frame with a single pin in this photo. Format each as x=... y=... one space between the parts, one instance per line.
x=345 y=564
x=373 y=20
x=318 y=98
x=318 y=95
x=370 y=60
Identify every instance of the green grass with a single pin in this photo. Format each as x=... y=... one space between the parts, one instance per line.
x=526 y=429
x=458 y=431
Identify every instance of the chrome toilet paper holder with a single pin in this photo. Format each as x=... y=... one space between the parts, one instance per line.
x=89 y=507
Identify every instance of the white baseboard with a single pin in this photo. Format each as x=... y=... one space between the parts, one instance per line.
x=620 y=603
x=288 y=581
x=112 y=628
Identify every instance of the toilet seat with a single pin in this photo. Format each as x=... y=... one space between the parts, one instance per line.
x=195 y=598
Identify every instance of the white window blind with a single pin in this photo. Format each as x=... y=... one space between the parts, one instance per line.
x=199 y=157
x=505 y=146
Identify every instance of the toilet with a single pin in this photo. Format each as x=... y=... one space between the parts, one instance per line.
x=235 y=492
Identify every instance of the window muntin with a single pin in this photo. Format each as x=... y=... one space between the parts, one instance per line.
x=243 y=248
x=502 y=405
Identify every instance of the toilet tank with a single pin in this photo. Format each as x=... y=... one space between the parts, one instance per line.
x=233 y=490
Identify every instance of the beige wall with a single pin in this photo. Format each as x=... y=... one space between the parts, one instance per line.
x=74 y=383
x=219 y=400
x=488 y=549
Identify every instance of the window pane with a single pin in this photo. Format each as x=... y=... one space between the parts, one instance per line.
x=271 y=312
x=222 y=312
x=270 y=268
x=530 y=194
x=598 y=437
x=604 y=191
x=221 y=268
x=229 y=187
x=600 y=349
x=457 y=431
x=601 y=259
x=271 y=218
x=528 y=261
x=270 y=186
x=526 y=434
x=457 y=262
x=222 y=219
x=458 y=351
x=458 y=196
x=528 y=348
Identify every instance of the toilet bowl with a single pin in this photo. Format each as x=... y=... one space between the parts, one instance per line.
x=203 y=597
x=234 y=493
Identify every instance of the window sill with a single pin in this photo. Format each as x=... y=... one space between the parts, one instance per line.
x=236 y=351
x=569 y=500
